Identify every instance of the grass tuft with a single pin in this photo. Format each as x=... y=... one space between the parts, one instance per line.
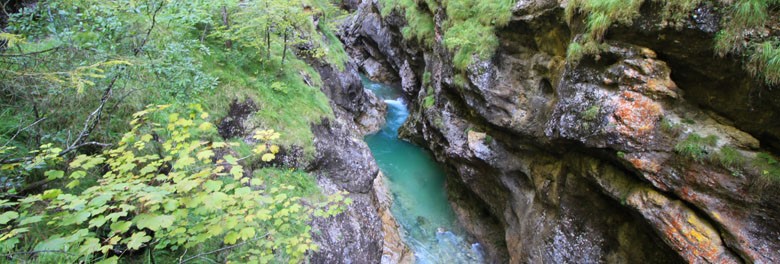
x=765 y=61
x=696 y=147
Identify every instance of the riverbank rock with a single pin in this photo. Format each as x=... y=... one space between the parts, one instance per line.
x=650 y=150
x=365 y=232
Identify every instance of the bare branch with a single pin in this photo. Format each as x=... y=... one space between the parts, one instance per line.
x=23 y=129
x=30 y=53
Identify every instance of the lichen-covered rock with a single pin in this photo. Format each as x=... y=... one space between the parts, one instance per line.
x=645 y=151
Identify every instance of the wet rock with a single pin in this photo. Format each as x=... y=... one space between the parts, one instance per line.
x=394 y=250
x=234 y=124
x=344 y=163
x=587 y=161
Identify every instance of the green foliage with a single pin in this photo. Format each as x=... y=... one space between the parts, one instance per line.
x=765 y=61
x=426 y=79
x=468 y=31
x=696 y=147
x=163 y=186
x=600 y=14
x=66 y=55
x=742 y=17
x=333 y=47
x=677 y=11
x=428 y=101
x=469 y=38
x=575 y=51
x=291 y=107
x=763 y=54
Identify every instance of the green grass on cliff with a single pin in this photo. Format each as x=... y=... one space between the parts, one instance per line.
x=468 y=30
x=696 y=147
x=284 y=100
x=741 y=18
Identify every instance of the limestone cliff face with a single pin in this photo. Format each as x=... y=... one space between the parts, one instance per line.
x=553 y=160
x=366 y=232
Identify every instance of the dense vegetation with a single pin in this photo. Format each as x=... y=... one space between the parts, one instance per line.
x=743 y=29
x=108 y=151
x=469 y=28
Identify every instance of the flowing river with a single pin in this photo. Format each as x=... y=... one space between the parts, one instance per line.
x=416 y=182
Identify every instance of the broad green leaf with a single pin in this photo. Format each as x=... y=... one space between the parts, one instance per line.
x=231 y=238
x=78 y=174
x=7 y=217
x=89 y=246
x=54 y=174
x=154 y=222
x=73 y=184
x=29 y=220
x=183 y=162
x=55 y=243
x=243 y=191
x=247 y=233
x=237 y=171
x=205 y=127
x=98 y=221
x=51 y=194
x=137 y=240
x=120 y=227
x=212 y=186
x=205 y=155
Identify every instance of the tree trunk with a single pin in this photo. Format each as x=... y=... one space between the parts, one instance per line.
x=226 y=22
x=284 y=53
x=268 y=42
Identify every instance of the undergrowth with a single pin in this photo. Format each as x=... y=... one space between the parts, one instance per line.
x=291 y=110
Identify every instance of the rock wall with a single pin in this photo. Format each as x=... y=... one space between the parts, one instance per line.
x=586 y=161
x=366 y=232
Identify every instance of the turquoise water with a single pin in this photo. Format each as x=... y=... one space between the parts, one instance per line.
x=417 y=184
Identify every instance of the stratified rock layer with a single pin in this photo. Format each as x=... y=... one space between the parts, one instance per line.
x=612 y=158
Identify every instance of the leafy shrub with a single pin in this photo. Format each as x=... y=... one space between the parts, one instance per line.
x=163 y=187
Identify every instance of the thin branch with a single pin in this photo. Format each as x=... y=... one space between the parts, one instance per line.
x=30 y=53
x=94 y=117
x=23 y=129
x=223 y=249
x=38 y=251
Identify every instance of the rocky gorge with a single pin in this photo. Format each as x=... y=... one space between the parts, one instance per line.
x=654 y=149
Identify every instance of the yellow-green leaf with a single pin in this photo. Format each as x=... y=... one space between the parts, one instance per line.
x=137 y=240
x=54 y=174
x=7 y=217
x=231 y=238
x=268 y=157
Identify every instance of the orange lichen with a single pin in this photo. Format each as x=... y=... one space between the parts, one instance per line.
x=645 y=165
x=636 y=115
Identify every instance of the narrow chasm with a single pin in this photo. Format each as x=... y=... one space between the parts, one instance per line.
x=417 y=183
